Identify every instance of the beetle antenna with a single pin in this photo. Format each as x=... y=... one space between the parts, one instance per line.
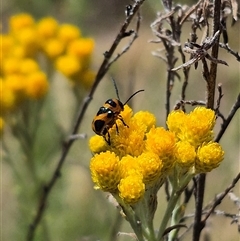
x=132 y=96
x=115 y=86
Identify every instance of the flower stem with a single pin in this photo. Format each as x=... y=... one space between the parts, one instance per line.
x=171 y=204
x=131 y=217
x=176 y=192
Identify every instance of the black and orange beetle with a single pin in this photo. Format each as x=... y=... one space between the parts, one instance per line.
x=108 y=114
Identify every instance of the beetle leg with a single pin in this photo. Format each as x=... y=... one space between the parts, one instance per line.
x=117 y=128
x=107 y=139
x=121 y=119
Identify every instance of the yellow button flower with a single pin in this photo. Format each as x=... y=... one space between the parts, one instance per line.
x=18 y=51
x=185 y=154
x=47 y=28
x=97 y=144
x=198 y=127
x=127 y=114
x=21 y=21
x=82 y=47
x=7 y=98
x=68 y=33
x=11 y=66
x=146 y=118
x=105 y=171
x=209 y=156
x=28 y=65
x=175 y=120
x=36 y=85
x=7 y=43
x=53 y=47
x=129 y=140
x=129 y=165
x=162 y=142
x=16 y=83
x=150 y=167
x=131 y=189
x=28 y=38
x=69 y=65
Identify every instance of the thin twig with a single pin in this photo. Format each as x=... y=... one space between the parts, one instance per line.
x=190 y=11
x=227 y=121
x=188 y=192
x=212 y=210
x=197 y=225
x=200 y=53
x=220 y=95
x=220 y=197
x=211 y=83
x=234 y=217
x=135 y=35
x=101 y=72
x=215 y=212
x=235 y=199
x=226 y=46
x=180 y=103
x=214 y=54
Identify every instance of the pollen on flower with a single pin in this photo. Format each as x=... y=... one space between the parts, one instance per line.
x=129 y=140
x=105 y=171
x=127 y=113
x=150 y=167
x=198 y=127
x=209 y=156
x=175 y=120
x=185 y=154
x=97 y=144
x=160 y=141
x=131 y=189
x=146 y=118
x=128 y=166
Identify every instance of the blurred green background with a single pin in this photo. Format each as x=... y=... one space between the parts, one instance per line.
x=75 y=210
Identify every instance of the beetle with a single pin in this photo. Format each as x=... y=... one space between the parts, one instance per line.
x=108 y=114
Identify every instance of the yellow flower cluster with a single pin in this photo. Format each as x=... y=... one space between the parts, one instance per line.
x=142 y=154
x=194 y=146
x=20 y=74
x=23 y=48
x=139 y=166
x=69 y=51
